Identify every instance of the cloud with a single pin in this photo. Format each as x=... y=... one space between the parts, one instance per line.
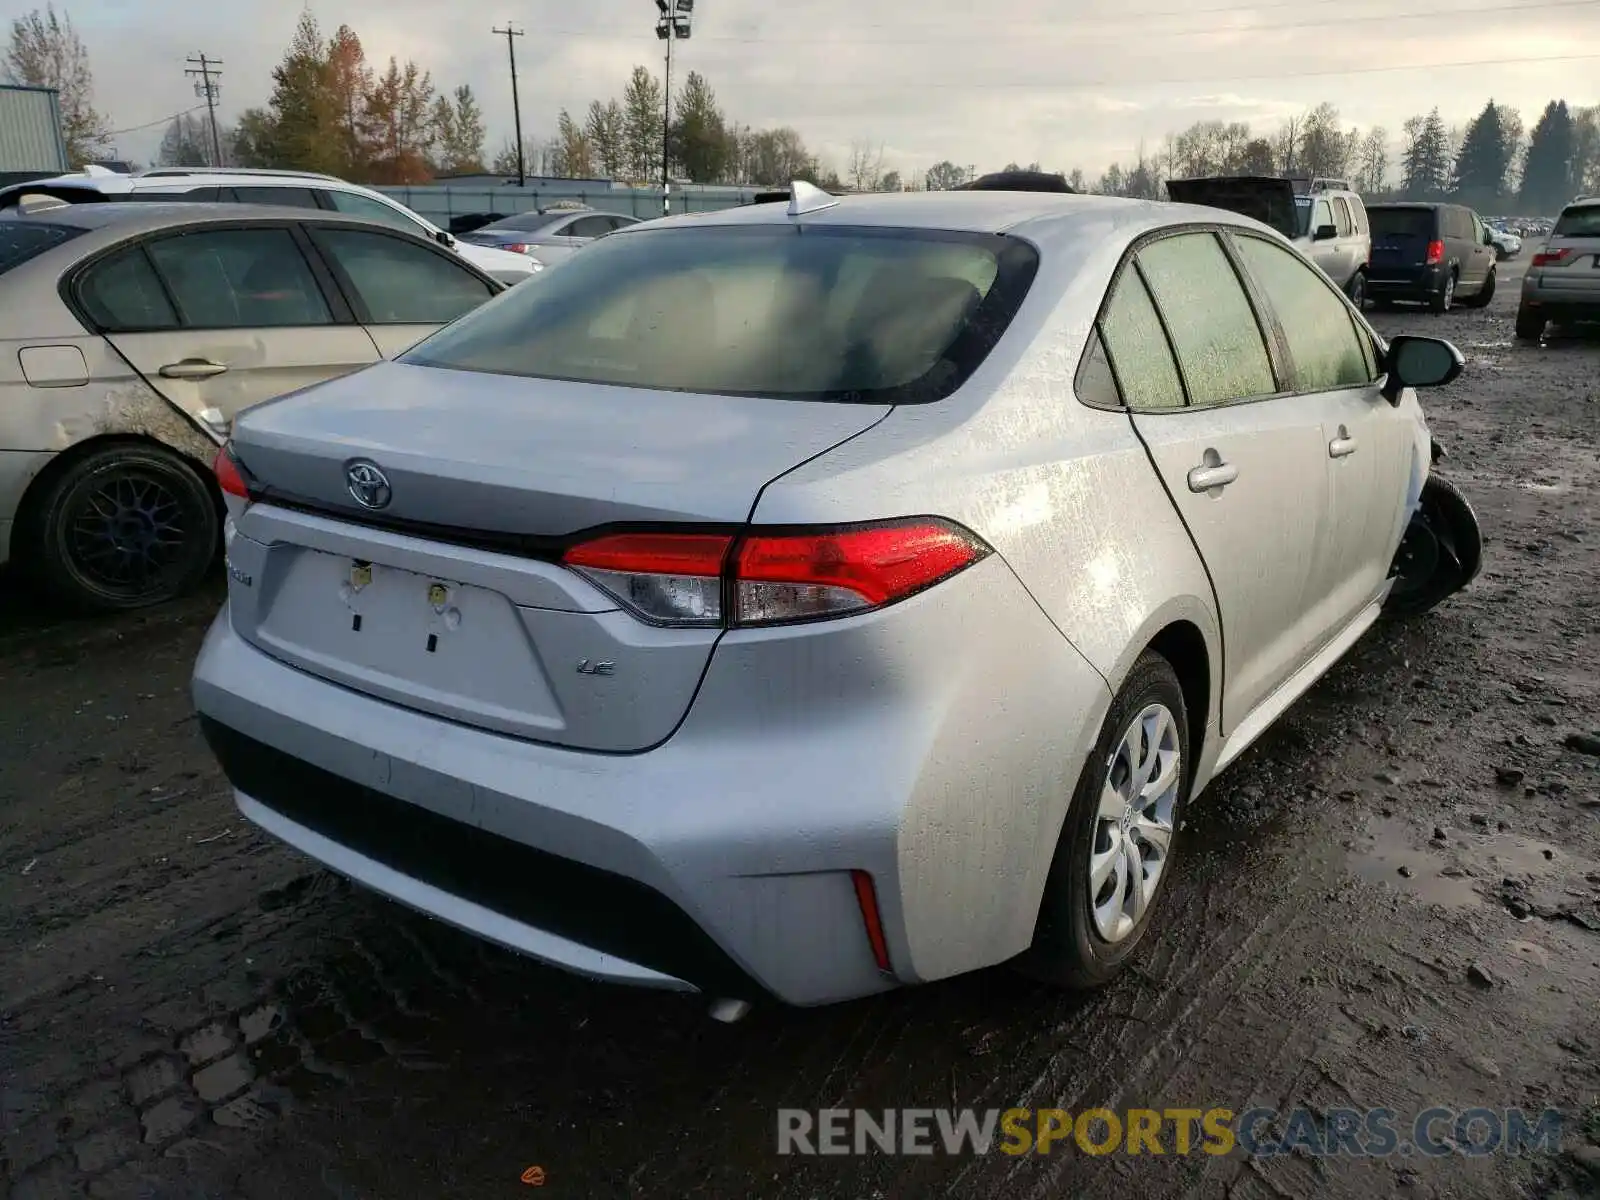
x=1011 y=80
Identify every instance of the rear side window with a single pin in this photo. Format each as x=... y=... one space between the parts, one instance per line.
x=1341 y=217
x=1214 y=330
x=1578 y=222
x=1138 y=348
x=20 y=241
x=122 y=293
x=1358 y=214
x=1401 y=222
x=588 y=227
x=295 y=197
x=852 y=315
x=240 y=278
x=400 y=283
x=369 y=209
x=1322 y=338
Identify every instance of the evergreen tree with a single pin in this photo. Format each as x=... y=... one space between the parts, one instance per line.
x=1547 y=167
x=1484 y=159
x=641 y=112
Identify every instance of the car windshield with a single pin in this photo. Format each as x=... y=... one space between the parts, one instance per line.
x=822 y=313
x=527 y=222
x=19 y=241
x=1579 y=222
x=1401 y=222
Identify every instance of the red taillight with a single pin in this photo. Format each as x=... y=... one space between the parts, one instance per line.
x=793 y=576
x=867 y=898
x=230 y=478
x=517 y=247
x=1552 y=258
x=772 y=577
x=1435 y=253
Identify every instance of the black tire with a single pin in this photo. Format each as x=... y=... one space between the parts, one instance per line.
x=122 y=527
x=1067 y=949
x=1530 y=325
x=1357 y=290
x=1485 y=293
x=1444 y=299
x=1440 y=554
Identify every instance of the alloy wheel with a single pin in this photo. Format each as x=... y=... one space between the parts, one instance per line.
x=1132 y=838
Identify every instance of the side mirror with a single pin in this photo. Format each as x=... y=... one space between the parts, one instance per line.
x=1419 y=362
x=1325 y=233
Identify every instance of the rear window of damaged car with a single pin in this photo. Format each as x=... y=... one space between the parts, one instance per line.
x=20 y=241
x=838 y=313
x=1578 y=221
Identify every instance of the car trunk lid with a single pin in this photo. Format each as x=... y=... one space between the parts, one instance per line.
x=1270 y=201
x=450 y=597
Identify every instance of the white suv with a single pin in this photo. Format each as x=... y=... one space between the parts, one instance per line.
x=238 y=185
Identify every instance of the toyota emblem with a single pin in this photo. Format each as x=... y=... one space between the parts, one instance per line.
x=368 y=484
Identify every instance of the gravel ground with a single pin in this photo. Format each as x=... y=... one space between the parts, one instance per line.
x=1393 y=900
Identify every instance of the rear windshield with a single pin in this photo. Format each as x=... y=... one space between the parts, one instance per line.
x=19 y=241
x=879 y=316
x=1578 y=222
x=1401 y=222
x=527 y=222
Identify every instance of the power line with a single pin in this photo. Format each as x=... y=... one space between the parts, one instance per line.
x=1123 y=24
x=511 y=32
x=1126 y=82
x=158 y=121
x=206 y=69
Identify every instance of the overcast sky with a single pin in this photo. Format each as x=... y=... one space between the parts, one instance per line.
x=978 y=83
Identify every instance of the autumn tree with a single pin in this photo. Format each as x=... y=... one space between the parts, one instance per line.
x=574 y=155
x=458 y=133
x=642 y=117
x=300 y=127
x=348 y=80
x=397 y=126
x=46 y=51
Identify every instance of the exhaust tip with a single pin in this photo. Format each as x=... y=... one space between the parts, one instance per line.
x=729 y=1011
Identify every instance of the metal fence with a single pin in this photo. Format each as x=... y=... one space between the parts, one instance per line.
x=440 y=202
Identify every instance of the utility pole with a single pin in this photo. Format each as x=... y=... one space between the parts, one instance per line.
x=671 y=25
x=511 y=32
x=206 y=69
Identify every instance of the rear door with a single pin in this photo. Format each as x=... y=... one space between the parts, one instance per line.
x=400 y=289
x=1367 y=441
x=1400 y=238
x=222 y=317
x=1245 y=464
x=1482 y=250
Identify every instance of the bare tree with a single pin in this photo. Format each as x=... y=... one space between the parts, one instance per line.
x=46 y=51
x=1372 y=173
x=865 y=169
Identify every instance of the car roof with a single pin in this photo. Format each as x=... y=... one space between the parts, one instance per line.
x=964 y=211
x=146 y=216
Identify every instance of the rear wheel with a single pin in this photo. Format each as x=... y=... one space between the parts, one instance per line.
x=1115 y=854
x=123 y=527
x=1358 y=290
x=1530 y=324
x=1485 y=294
x=1445 y=298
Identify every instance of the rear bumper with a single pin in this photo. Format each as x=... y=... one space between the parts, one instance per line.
x=1417 y=283
x=1570 y=303
x=721 y=860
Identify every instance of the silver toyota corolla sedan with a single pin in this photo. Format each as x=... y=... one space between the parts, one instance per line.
x=804 y=601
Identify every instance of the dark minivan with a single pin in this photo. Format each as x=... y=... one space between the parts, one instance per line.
x=1430 y=253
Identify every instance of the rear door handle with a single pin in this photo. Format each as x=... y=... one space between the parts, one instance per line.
x=1342 y=446
x=1212 y=475
x=192 y=368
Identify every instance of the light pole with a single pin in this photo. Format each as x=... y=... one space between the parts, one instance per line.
x=671 y=25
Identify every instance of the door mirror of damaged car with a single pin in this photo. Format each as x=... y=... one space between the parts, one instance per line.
x=1419 y=362
x=1325 y=233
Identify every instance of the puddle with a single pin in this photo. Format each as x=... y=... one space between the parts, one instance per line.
x=1466 y=868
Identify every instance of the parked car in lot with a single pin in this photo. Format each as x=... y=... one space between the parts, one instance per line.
x=136 y=333
x=1326 y=220
x=549 y=236
x=1433 y=254
x=1507 y=245
x=1563 y=280
x=808 y=600
x=235 y=185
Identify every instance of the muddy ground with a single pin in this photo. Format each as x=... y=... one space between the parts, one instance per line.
x=1393 y=900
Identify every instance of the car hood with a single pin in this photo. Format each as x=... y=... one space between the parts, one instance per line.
x=1270 y=201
